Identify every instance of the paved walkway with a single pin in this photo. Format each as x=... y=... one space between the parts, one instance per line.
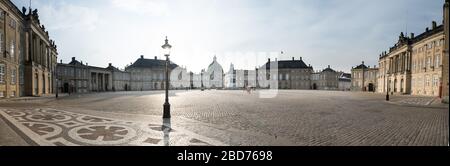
x=57 y=127
x=300 y=118
x=50 y=127
x=419 y=101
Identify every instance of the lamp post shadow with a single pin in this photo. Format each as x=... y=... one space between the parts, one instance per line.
x=166 y=128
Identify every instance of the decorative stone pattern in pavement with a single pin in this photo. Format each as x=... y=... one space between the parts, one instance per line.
x=417 y=101
x=50 y=127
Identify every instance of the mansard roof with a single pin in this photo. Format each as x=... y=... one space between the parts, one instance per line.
x=346 y=75
x=289 y=64
x=361 y=66
x=151 y=63
x=328 y=69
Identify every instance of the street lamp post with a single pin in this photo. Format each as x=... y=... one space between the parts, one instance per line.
x=166 y=47
x=57 y=89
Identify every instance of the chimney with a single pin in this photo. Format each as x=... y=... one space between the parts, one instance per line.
x=301 y=58
x=110 y=64
x=427 y=29
x=363 y=62
x=293 y=59
x=60 y=61
x=142 y=56
x=73 y=58
x=81 y=62
x=412 y=36
x=87 y=64
x=433 y=24
x=268 y=60
x=156 y=58
x=329 y=66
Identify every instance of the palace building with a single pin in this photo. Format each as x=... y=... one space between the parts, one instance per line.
x=27 y=54
x=238 y=79
x=364 y=78
x=327 y=79
x=148 y=74
x=292 y=74
x=417 y=65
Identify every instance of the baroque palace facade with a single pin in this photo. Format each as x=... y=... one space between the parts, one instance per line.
x=27 y=55
x=417 y=65
x=365 y=78
x=291 y=74
x=142 y=75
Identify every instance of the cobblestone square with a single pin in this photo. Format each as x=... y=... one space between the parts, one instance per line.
x=216 y=117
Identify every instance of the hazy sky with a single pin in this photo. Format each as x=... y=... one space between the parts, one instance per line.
x=340 y=33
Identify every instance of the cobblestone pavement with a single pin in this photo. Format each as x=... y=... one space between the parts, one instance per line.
x=51 y=127
x=416 y=100
x=311 y=118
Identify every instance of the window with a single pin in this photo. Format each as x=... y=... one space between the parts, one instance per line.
x=13 y=76
x=429 y=62
x=438 y=60
x=1 y=42
x=12 y=24
x=2 y=73
x=12 y=48
x=435 y=80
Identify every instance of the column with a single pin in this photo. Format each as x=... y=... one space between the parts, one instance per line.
x=96 y=82
x=103 y=82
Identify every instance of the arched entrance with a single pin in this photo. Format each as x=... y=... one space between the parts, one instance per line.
x=36 y=84
x=395 y=86
x=371 y=88
x=401 y=86
x=66 y=88
x=314 y=86
x=43 y=85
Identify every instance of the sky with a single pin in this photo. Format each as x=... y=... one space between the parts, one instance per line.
x=339 y=33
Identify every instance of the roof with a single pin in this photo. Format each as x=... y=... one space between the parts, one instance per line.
x=346 y=75
x=151 y=63
x=361 y=66
x=77 y=63
x=328 y=69
x=292 y=64
x=112 y=68
x=405 y=41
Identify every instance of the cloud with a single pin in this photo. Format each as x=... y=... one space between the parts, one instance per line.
x=152 y=7
x=68 y=16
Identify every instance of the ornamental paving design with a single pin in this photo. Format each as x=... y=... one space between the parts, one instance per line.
x=50 y=127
